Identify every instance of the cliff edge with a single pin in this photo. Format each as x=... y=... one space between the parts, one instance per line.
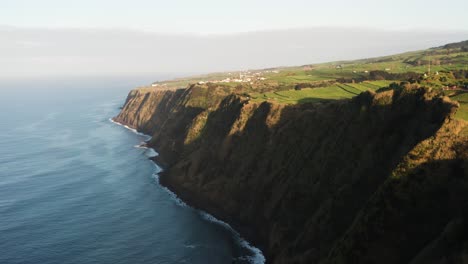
x=380 y=178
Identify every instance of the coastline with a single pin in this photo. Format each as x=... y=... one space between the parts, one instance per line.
x=281 y=174
x=257 y=254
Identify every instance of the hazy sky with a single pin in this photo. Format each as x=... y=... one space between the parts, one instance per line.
x=216 y=16
x=106 y=37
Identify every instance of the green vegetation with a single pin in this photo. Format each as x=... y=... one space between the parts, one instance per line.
x=462 y=98
x=443 y=68
x=451 y=57
x=332 y=92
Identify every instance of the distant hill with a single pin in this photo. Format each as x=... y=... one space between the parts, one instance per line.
x=462 y=45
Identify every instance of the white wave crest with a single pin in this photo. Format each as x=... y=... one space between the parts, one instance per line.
x=131 y=129
x=256 y=258
x=172 y=195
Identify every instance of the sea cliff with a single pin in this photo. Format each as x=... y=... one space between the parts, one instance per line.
x=380 y=178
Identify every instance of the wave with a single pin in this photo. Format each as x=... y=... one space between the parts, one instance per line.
x=150 y=152
x=148 y=137
x=256 y=258
x=172 y=195
x=190 y=246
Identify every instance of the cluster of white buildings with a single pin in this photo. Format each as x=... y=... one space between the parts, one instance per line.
x=241 y=77
x=244 y=77
x=158 y=84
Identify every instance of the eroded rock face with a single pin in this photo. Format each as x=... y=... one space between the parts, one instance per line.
x=375 y=179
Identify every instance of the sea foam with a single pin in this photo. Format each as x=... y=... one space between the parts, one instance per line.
x=131 y=129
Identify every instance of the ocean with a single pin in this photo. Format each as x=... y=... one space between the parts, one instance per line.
x=76 y=188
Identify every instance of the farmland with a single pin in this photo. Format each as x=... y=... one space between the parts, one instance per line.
x=332 y=92
x=462 y=112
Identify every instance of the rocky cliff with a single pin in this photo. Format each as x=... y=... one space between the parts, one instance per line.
x=381 y=178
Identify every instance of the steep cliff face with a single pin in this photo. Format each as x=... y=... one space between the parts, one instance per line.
x=376 y=179
x=167 y=115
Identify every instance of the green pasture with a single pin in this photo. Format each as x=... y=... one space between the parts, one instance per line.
x=332 y=92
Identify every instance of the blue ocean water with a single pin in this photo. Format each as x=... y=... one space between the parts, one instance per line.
x=75 y=189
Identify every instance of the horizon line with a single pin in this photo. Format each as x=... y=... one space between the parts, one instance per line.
x=242 y=32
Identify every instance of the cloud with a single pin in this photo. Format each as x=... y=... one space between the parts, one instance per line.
x=33 y=52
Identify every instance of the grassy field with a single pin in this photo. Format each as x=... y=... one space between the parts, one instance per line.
x=462 y=112
x=332 y=92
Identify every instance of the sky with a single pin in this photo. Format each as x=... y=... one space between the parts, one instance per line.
x=51 y=38
x=217 y=16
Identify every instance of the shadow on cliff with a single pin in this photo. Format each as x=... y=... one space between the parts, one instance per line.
x=419 y=217
x=345 y=153
x=294 y=178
